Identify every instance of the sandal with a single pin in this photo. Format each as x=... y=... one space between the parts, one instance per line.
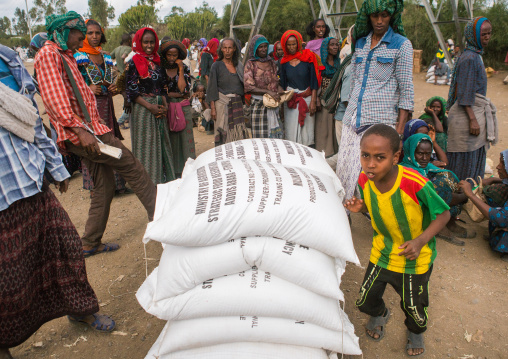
x=504 y=257
x=108 y=247
x=450 y=239
x=375 y=322
x=102 y=323
x=414 y=341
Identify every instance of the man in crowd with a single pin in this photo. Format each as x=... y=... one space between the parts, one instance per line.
x=66 y=34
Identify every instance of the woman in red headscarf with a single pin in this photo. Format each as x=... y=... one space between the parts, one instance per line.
x=145 y=88
x=208 y=57
x=299 y=72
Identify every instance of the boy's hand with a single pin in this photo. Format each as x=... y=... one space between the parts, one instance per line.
x=412 y=248
x=354 y=205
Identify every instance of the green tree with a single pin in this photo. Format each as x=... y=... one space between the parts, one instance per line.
x=148 y=2
x=137 y=17
x=5 y=26
x=195 y=24
x=19 y=22
x=101 y=11
x=48 y=7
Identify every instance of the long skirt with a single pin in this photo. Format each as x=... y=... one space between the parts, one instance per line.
x=230 y=125
x=182 y=143
x=42 y=269
x=150 y=142
x=292 y=129
x=107 y=113
x=325 y=132
x=445 y=185
x=467 y=164
x=260 y=120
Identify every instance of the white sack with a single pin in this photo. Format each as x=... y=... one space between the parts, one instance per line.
x=430 y=71
x=183 y=268
x=198 y=333
x=253 y=292
x=242 y=350
x=243 y=198
x=431 y=79
x=287 y=153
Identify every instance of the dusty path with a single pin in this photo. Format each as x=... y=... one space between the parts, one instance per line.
x=468 y=287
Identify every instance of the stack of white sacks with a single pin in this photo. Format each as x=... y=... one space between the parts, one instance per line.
x=441 y=80
x=255 y=243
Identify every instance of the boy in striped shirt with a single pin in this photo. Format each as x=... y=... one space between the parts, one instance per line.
x=406 y=214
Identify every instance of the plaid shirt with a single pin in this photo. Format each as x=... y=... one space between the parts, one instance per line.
x=382 y=80
x=58 y=96
x=22 y=162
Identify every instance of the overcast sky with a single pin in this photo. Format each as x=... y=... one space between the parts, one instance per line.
x=81 y=6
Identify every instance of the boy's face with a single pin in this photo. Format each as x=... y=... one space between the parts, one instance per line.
x=377 y=157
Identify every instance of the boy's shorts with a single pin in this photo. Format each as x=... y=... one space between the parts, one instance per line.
x=413 y=290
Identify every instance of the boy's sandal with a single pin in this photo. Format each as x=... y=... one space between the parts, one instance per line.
x=451 y=239
x=414 y=341
x=108 y=247
x=375 y=322
x=102 y=323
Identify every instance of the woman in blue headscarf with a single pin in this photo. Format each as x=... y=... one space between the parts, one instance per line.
x=260 y=77
x=417 y=156
x=471 y=127
x=496 y=211
x=324 y=134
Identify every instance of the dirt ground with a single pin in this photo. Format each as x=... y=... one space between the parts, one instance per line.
x=468 y=284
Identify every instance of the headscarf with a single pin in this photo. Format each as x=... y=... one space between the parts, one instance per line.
x=171 y=44
x=346 y=49
x=329 y=71
x=505 y=160
x=141 y=59
x=363 y=26
x=412 y=126
x=212 y=47
x=186 y=43
x=302 y=55
x=275 y=57
x=270 y=49
x=409 y=156
x=87 y=48
x=473 y=43
x=255 y=42
x=59 y=26
x=38 y=40
x=429 y=102
x=315 y=46
x=204 y=41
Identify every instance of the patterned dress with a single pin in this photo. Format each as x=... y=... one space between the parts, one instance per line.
x=182 y=143
x=150 y=135
x=94 y=74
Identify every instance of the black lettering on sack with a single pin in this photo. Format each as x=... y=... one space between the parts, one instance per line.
x=289 y=147
x=243 y=318
x=203 y=184
x=300 y=322
x=288 y=248
x=240 y=151
x=256 y=150
x=300 y=153
x=268 y=157
x=230 y=153
x=266 y=188
x=307 y=151
x=219 y=155
x=217 y=184
x=320 y=185
x=268 y=276
x=303 y=247
x=252 y=181
x=207 y=284
x=297 y=180
x=255 y=322
x=278 y=185
x=312 y=189
x=254 y=278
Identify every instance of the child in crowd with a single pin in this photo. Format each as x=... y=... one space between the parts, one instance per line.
x=406 y=214
x=200 y=109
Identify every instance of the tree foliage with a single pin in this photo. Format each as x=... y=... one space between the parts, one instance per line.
x=5 y=26
x=194 y=25
x=19 y=22
x=101 y=11
x=137 y=17
x=48 y=7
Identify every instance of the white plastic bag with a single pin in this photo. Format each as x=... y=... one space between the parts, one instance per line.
x=183 y=268
x=242 y=350
x=272 y=150
x=253 y=292
x=240 y=198
x=430 y=71
x=198 y=333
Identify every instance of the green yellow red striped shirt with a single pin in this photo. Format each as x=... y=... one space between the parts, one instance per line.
x=400 y=215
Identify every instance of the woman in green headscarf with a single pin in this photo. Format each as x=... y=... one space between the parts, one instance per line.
x=417 y=152
x=435 y=115
x=59 y=26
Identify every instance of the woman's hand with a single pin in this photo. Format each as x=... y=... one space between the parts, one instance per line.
x=466 y=188
x=157 y=110
x=275 y=95
x=312 y=108
x=96 y=89
x=474 y=127
x=113 y=89
x=439 y=164
x=179 y=63
x=429 y=111
x=318 y=104
x=213 y=114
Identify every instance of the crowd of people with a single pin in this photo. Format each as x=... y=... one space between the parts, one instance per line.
x=328 y=93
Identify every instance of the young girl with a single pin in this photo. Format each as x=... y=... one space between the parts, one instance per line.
x=178 y=87
x=146 y=87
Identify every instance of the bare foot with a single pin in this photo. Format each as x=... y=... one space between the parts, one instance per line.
x=373 y=334
x=415 y=351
